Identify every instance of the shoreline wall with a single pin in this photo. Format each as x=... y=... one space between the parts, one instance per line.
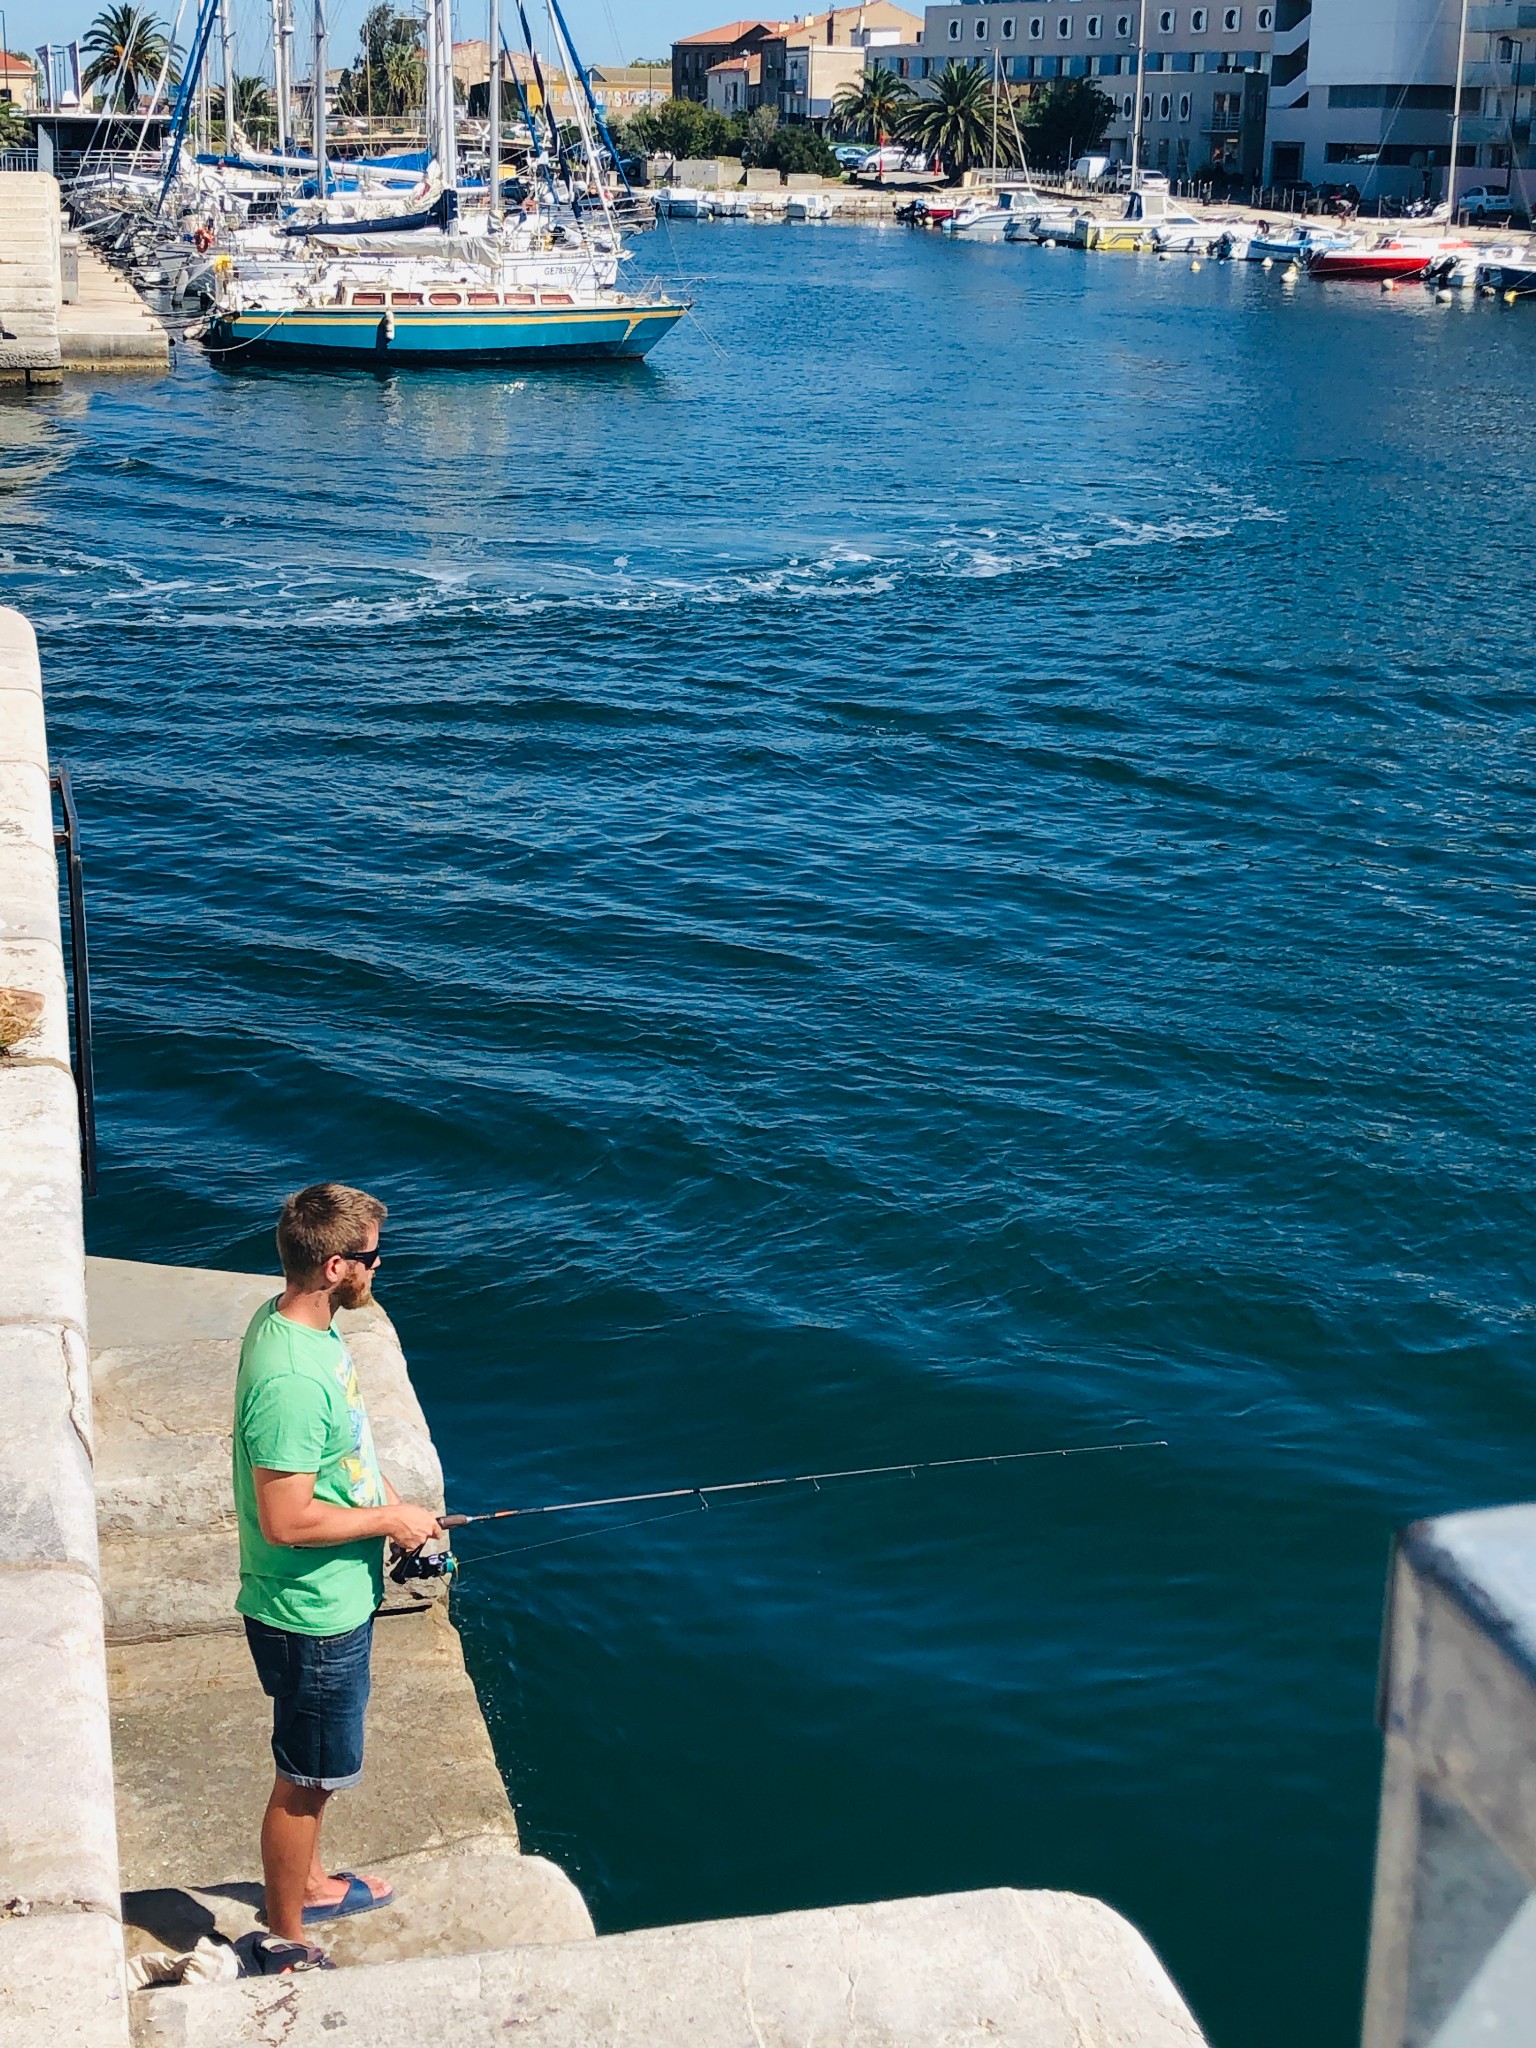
x=61 y=1938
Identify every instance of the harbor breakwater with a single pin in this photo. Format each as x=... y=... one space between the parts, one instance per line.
x=117 y=1575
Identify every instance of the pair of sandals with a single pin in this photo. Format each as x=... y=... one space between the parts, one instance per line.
x=274 y=1956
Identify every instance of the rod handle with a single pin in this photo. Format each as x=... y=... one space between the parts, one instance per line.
x=452 y=1521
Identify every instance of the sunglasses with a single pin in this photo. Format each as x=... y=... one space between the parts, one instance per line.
x=364 y=1258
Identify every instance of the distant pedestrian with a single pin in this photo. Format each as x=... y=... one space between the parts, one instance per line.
x=314 y=1513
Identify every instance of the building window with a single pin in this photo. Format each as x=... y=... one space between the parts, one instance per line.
x=1124 y=26
x=1232 y=20
x=1095 y=25
x=981 y=28
x=902 y=70
x=1036 y=28
x=1128 y=109
x=1165 y=106
x=1197 y=22
x=1165 y=22
x=1146 y=106
x=954 y=31
x=1063 y=25
x=1007 y=28
x=1266 y=18
x=1183 y=106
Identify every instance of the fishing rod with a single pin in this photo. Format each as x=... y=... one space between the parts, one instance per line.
x=439 y=1564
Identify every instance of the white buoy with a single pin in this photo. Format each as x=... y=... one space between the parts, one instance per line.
x=1268 y=263
x=1389 y=284
x=1444 y=296
x=1196 y=264
x=1290 y=275
x=1486 y=291
x=1048 y=243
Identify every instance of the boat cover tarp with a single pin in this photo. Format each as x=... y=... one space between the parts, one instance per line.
x=439 y=214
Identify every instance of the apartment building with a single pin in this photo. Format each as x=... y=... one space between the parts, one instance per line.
x=1204 y=92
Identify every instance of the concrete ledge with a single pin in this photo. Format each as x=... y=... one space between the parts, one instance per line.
x=42 y=1281
x=58 y=1845
x=995 y=1969
x=61 y=1982
x=45 y=1479
x=460 y=1900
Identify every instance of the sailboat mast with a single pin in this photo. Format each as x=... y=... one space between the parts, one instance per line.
x=279 y=81
x=494 y=110
x=318 y=99
x=227 y=44
x=1461 y=66
x=1141 y=80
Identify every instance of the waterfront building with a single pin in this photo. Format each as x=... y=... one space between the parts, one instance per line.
x=1363 y=93
x=796 y=66
x=18 y=83
x=1205 y=91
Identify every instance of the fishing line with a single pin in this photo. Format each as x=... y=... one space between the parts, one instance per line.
x=816 y=1479
x=580 y=1536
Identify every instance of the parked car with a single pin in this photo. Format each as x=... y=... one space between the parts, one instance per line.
x=851 y=155
x=1491 y=203
x=892 y=157
x=1120 y=179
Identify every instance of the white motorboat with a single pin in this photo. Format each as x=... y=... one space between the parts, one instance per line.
x=808 y=206
x=986 y=216
x=732 y=205
x=1048 y=220
x=1294 y=243
x=682 y=202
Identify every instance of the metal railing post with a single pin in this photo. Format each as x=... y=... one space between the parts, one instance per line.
x=68 y=840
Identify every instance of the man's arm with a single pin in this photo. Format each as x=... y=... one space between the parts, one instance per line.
x=291 y=1516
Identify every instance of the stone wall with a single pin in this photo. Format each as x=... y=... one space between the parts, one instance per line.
x=61 y=1944
x=30 y=278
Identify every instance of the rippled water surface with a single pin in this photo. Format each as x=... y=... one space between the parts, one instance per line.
x=948 y=866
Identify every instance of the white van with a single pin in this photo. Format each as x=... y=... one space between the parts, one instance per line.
x=1089 y=169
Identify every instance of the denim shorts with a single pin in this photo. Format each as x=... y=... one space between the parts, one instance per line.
x=318 y=1686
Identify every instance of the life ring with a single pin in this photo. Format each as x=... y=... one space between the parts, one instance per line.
x=202 y=241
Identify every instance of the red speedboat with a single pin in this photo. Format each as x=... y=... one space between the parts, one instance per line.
x=1390 y=260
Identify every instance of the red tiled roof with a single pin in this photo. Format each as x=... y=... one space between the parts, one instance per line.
x=732 y=32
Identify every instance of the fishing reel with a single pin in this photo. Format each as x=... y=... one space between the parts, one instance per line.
x=421 y=1564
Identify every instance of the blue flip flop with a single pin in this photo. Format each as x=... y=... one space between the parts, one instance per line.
x=355 y=1899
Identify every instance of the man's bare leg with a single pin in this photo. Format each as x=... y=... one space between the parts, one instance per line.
x=290 y=1853
x=290 y=1859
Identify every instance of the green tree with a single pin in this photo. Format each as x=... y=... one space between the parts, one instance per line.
x=390 y=74
x=800 y=148
x=757 y=134
x=1067 y=120
x=681 y=128
x=960 y=123
x=874 y=106
x=126 y=46
x=253 y=105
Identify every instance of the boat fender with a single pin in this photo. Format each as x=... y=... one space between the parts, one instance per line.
x=1444 y=296
x=202 y=241
x=1268 y=263
x=1196 y=264
x=386 y=331
x=1510 y=297
x=1389 y=284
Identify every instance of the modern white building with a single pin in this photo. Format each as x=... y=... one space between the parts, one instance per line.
x=1203 y=93
x=1363 y=92
x=1323 y=92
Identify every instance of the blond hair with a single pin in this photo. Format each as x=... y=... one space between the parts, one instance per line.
x=321 y=1223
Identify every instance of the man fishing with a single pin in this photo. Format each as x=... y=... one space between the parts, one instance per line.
x=314 y=1514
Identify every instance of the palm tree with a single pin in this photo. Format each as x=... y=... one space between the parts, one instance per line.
x=127 y=48
x=957 y=123
x=253 y=104
x=874 y=105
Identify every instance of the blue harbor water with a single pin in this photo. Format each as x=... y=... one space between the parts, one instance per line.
x=946 y=866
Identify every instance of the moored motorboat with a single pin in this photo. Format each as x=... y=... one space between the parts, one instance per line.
x=808 y=206
x=1391 y=259
x=987 y=216
x=1513 y=277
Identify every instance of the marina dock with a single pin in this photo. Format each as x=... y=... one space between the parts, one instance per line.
x=51 y=323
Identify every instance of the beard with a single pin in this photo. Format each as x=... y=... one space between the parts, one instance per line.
x=352 y=1293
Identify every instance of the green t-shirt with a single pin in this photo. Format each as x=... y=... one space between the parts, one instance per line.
x=298 y=1408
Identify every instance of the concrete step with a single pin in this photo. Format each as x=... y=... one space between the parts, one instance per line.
x=997 y=1969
